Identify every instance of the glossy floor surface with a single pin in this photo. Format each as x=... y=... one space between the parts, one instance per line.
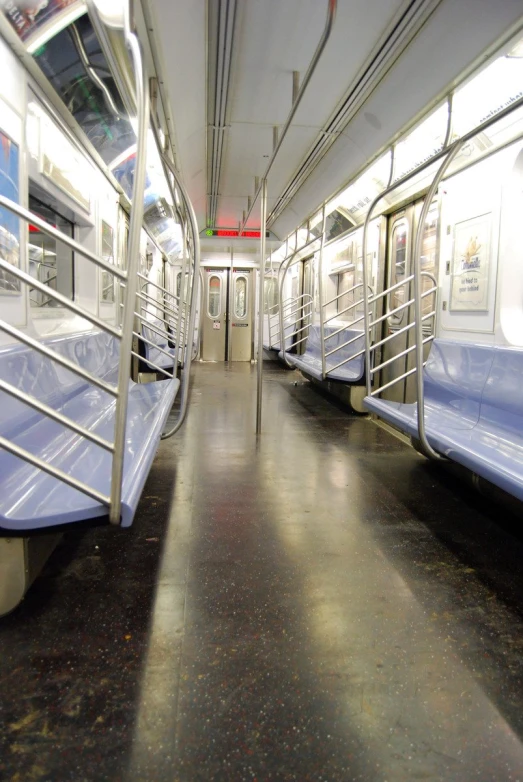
x=320 y=604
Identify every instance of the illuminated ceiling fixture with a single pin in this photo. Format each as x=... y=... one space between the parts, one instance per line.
x=50 y=21
x=517 y=50
x=221 y=24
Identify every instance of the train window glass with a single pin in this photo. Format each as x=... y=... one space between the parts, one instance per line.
x=498 y=85
x=107 y=279
x=50 y=262
x=240 y=297
x=9 y=223
x=336 y=223
x=294 y=287
x=346 y=283
x=356 y=198
x=215 y=296
x=98 y=110
x=398 y=267
x=428 y=258
x=421 y=143
x=271 y=294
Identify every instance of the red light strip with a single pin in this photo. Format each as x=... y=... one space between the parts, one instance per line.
x=234 y=233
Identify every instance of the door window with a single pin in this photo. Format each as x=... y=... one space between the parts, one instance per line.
x=215 y=296
x=50 y=262
x=428 y=259
x=107 y=279
x=240 y=297
x=398 y=267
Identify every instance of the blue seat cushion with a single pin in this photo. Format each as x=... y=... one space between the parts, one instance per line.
x=310 y=361
x=473 y=410
x=32 y=499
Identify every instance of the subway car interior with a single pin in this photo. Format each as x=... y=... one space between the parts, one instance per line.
x=261 y=351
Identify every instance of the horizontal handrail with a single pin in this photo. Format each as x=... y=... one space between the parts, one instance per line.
x=398 y=332
x=344 y=345
x=154 y=303
x=160 y=287
x=63 y=300
x=38 y=346
x=27 y=456
x=393 y=382
x=41 y=407
x=30 y=217
x=345 y=293
x=392 y=288
x=152 y=344
x=345 y=361
x=402 y=354
x=152 y=364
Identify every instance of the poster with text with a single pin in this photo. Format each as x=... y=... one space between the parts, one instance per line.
x=470 y=265
x=28 y=17
x=9 y=223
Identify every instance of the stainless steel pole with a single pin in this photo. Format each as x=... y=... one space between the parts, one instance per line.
x=425 y=445
x=261 y=297
x=320 y=294
x=135 y=227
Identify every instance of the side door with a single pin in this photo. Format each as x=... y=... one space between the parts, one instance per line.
x=214 y=321
x=241 y=315
x=403 y=226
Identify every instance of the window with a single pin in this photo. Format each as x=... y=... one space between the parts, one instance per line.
x=50 y=262
x=271 y=294
x=346 y=283
x=215 y=296
x=107 y=279
x=399 y=260
x=240 y=297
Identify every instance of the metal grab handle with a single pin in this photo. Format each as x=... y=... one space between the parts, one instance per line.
x=170 y=170
x=331 y=13
x=424 y=443
x=133 y=256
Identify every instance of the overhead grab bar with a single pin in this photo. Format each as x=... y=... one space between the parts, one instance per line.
x=424 y=443
x=331 y=13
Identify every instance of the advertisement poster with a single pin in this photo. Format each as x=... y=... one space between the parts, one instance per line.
x=470 y=265
x=28 y=17
x=9 y=223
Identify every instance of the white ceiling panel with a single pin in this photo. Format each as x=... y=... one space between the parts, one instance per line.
x=433 y=61
x=273 y=38
x=181 y=42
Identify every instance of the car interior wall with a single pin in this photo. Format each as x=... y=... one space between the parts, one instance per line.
x=471 y=264
x=14 y=306
x=510 y=282
x=100 y=205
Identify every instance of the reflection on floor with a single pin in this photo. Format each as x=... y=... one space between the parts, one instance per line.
x=321 y=604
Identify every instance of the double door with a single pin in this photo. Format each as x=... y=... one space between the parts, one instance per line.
x=403 y=226
x=228 y=311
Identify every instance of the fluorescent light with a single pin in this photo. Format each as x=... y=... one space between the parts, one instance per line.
x=60 y=21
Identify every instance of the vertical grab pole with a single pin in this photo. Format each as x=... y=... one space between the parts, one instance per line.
x=418 y=327
x=259 y=388
x=133 y=254
x=183 y=295
x=366 y=313
x=191 y=300
x=320 y=296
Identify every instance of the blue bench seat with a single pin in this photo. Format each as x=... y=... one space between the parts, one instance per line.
x=310 y=361
x=473 y=410
x=155 y=353
x=30 y=499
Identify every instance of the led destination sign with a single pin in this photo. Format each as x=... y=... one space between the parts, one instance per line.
x=234 y=233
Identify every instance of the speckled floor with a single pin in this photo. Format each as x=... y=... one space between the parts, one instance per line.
x=320 y=605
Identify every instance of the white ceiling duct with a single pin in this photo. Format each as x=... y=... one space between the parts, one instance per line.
x=414 y=15
x=221 y=25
